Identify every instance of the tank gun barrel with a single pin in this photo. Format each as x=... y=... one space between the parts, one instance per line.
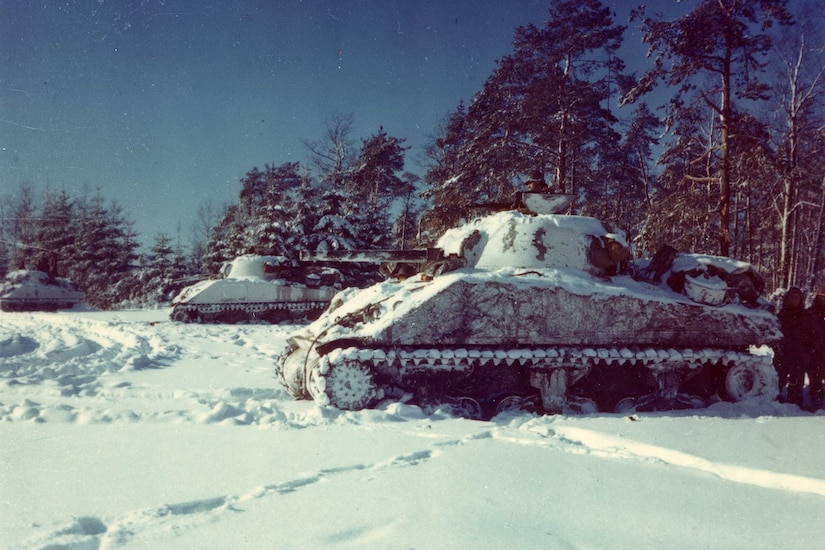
x=380 y=255
x=398 y=263
x=189 y=280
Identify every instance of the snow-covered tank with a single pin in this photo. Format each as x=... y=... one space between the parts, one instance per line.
x=541 y=312
x=254 y=288
x=31 y=290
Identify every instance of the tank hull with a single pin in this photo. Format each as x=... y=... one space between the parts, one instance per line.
x=250 y=291
x=487 y=339
x=28 y=290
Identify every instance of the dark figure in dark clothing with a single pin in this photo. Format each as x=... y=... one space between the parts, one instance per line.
x=794 y=353
x=535 y=182
x=816 y=368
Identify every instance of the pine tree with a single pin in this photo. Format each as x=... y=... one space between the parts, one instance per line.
x=333 y=231
x=545 y=106
x=157 y=278
x=54 y=234
x=372 y=186
x=712 y=56
x=303 y=219
x=447 y=172
x=23 y=230
x=222 y=244
x=265 y=203
x=105 y=249
x=405 y=226
x=629 y=181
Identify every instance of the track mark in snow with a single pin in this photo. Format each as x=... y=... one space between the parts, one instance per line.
x=66 y=356
x=87 y=525
x=40 y=347
x=164 y=523
x=583 y=441
x=196 y=506
x=617 y=446
x=412 y=459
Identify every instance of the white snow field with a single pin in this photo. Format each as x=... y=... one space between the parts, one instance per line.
x=126 y=430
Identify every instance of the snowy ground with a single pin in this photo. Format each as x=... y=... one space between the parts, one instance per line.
x=124 y=430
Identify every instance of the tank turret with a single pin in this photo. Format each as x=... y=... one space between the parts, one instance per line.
x=255 y=288
x=542 y=312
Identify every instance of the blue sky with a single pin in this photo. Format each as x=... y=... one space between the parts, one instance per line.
x=163 y=105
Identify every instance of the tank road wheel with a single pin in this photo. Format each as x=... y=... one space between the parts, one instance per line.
x=641 y=403
x=748 y=381
x=518 y=404
x=349 y=386
x=580 y=405
x=625 y=405
x=233 y=316
x=467 y=407
x=182 y=315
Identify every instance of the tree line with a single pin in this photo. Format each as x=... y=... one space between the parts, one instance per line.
x=345 y=201
x=715 y=146
x=347 y=198
x=90 y=241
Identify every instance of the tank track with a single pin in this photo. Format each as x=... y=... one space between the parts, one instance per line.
x=552 y=379
x=271 y=312
x=34 y=305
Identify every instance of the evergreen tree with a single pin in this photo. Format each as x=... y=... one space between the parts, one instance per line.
x=160 y=272
x=23 y=230
x=304 y=218
x=372 y=186
x=54 y=234
x=265 y=203
x=405 y=227
x=712 y=56
x=205 y=220
x=222 y=244
x=333 y=231
x=105 y=252
x=681 y=212
x=5 y=235
x=545 y=106
x=447 y=165
x=627 y=195
x=261 y=222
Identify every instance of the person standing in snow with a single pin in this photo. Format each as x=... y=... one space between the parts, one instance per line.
x=794 y=352
x=816 y=368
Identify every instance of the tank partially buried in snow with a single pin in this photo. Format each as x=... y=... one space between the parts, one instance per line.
x=30 y=290
x=253 y=288
x=541 y=312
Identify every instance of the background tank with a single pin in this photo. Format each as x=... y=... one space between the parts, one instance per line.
x=253 y=288
x=29 y=290
x=545 y=312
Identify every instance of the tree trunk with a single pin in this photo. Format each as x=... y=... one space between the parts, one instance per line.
x=819 y=243
x=724 y=191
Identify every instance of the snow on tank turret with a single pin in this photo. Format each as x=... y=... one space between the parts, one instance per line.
x=254 y=288
x=30 y=290
x=542 y=312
